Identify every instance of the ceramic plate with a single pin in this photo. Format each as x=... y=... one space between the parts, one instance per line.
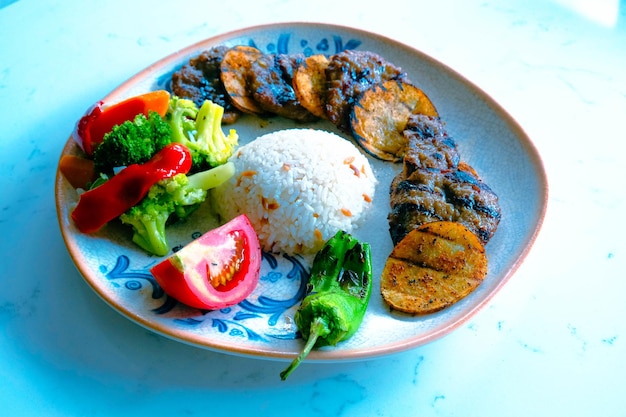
x=262 y=326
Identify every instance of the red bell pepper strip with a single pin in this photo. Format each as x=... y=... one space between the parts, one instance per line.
x=113 y=198
x=100 y=119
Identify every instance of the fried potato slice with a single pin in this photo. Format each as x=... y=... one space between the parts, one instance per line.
x=380 y=115
x=433 y=267
x=309 y=84
x=235 y=72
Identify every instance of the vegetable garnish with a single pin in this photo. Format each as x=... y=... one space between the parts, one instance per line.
x=200 y=130
x=175 y=199
x=338 y=293
x=217 y=270
x=100 y=119
x=134 y=141
x=120 y=142
x=115 y=196
x=79 y=171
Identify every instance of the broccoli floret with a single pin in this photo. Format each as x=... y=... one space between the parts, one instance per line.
x=132 y=142
x=217 y=146
x=184 y=195
x=172 y=196
x=200 y=129
x=148 y=220
x=169 y=201
x=181 y=116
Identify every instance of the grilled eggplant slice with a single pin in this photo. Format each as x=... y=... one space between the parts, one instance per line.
x=309 y=84
x=235 y=72
x=433 y=267
x=350 y=73
x=380 y=116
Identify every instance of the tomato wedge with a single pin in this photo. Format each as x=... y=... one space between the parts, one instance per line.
x=100 y=119
x=217 y=270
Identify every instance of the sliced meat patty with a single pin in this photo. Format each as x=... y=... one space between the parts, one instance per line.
x=199 y=80
x=435 y=185
x=350 y=73
x=428 y=145
x=271 y=87
x=432 y=195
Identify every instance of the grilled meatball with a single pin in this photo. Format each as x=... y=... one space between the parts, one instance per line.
x=350 y=73
x=199 y=80
x=428 y=145
x=433 y=195
x=435 y=185
x=271 y=86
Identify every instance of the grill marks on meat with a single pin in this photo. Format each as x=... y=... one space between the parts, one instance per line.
x=435 y=185
x=199 y=80
x=428 y=196
x=348 y=75
x=429 y=146
x=271 y=84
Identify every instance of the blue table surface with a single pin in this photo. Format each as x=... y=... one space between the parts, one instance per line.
x=552 y=342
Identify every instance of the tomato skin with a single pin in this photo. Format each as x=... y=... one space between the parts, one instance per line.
x=184 y=275
x=100 y=119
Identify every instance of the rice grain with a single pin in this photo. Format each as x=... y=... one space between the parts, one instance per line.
x=298 y=187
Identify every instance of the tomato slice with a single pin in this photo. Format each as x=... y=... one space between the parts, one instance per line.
x=217 y=270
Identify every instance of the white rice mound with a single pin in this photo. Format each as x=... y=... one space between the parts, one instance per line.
x=298 y=187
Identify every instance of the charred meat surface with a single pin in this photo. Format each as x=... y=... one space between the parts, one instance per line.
x=435 y=185
x=271 y=86
x=199 y=80
x=429 y=146
x=433 y=195
x=348 y=75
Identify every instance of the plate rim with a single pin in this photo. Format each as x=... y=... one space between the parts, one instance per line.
x=321 y=355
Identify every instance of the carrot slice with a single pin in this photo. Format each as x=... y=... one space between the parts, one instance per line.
x=78 y=171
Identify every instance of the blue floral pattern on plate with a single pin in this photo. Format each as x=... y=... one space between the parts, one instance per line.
x=285 y=43
x=305 y=46
x=232 y=321
x=229 y=320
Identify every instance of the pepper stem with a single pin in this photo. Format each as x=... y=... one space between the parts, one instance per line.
x=319 y=328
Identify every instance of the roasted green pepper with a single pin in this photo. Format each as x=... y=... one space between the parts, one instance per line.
x=338 y=293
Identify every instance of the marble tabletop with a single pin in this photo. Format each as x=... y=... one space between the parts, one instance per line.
x=551 y=342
